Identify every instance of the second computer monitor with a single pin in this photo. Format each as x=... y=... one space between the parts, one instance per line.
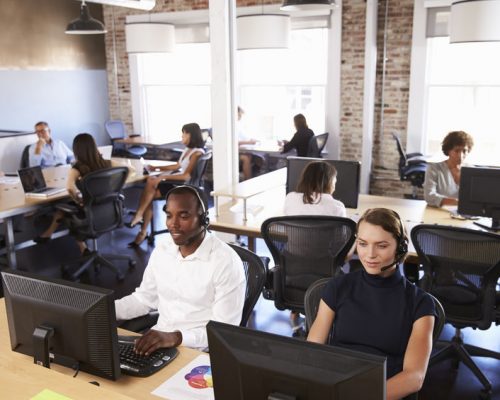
x=348 y=177
x=252 y=365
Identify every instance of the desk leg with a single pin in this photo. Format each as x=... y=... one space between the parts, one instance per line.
x=9 y=243
x=216 y=203
x=252 y=243
x=244 y=210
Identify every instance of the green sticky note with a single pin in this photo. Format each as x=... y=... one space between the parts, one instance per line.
x=47 y=394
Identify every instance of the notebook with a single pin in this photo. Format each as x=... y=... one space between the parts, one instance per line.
x=34 y=183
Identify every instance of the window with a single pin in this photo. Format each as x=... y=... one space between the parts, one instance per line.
x=274 y=85
x=175 y=90
x=463 y=93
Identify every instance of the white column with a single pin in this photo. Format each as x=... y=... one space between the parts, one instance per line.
x=332 y=95
x=369 y=93
x=222 y=20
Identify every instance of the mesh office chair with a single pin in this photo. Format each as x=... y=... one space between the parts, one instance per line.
x=255 y=272
x=304 y=249
x=25 y=157
x=313 y=148
x=195 y=180
x=315 y=292
x=461 y=268
x=116 y=130
x=321 y=141
x=102 y=212
x=411 y=167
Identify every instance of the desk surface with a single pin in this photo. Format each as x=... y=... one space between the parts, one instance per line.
x=20 y=378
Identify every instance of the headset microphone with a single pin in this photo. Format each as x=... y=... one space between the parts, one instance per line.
x=402 y=245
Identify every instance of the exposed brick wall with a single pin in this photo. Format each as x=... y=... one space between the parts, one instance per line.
x=385 y=179
x=399 y=25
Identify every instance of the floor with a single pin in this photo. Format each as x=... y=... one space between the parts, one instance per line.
x=442 y=381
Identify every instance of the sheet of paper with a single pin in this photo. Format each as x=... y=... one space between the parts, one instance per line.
x=193 y=382
x=47 y=394
x=9 y=180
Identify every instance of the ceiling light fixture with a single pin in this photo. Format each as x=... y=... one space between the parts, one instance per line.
x=475 y=21
x=137 y=4
x=304 y=5
x=150 y=37
x=85 y=24
x=263 y=31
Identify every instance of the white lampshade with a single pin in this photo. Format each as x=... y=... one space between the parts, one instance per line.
x=475 y=21
x=150 y=37
x=263 y=31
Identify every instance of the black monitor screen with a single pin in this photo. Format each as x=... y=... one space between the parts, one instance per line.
x=77 y=322
x=479 y=193
x=252 y=365
x=348 y=177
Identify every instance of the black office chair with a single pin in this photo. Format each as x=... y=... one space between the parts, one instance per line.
x=255 y=272
x=461 y=268
x=321 y=141
x=116 y=130
x=195 y=180
x=313 y=148
x=102 y=212
x=411 y=167
x=25 y=157
x=304 y=249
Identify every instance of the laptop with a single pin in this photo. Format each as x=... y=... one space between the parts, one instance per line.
x=34 y=183
x=106 y=151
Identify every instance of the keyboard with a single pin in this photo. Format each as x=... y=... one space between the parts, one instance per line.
x=137 y=365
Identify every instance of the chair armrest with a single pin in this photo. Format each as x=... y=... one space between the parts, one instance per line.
x=67 y=208
x=268 y=290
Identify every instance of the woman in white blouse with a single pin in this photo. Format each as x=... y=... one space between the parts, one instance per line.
x=314 y=192
x=156 y=185
x=314 y=197
x=442 y=179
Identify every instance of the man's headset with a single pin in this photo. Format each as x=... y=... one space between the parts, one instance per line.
x=204 y=220
x=402 y=243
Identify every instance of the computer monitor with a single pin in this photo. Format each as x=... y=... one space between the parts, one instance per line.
x=348 y=178
x=479 y=194
x=252 y=365
x=63 y=322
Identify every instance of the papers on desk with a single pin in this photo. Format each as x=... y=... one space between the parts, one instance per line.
x=193 y=382
x=9 y=180
x=47 y=394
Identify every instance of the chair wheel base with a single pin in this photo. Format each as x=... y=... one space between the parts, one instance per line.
x=485 y=394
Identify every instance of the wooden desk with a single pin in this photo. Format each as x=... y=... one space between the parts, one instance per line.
x=250 y=188
x=230 y=217
x=21 y=379
x=13 y=201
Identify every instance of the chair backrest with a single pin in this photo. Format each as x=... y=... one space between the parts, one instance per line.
x=321 y=141
x=255 y=272
x=102 y=202
x=401 y=152
x=461 y=269
x=312 y=148
x=305 y=249
x=115 y=129
x=199 y=170
x=311 y=300
x=25 y=157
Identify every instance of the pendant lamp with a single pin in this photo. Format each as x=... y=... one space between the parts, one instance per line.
x=304 y=5
x=475 y=21
x=85 y=24
x=263 y=31
x=150 y=37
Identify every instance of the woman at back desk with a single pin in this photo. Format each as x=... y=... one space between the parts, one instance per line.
x=442 y=179
x=300 y=140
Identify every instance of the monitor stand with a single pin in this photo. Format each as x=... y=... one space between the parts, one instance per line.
x=495 y=221
x=41 y=338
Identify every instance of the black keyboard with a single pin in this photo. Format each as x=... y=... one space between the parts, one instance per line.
x=134 y=364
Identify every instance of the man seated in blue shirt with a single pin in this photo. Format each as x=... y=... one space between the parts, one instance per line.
x=48 y=152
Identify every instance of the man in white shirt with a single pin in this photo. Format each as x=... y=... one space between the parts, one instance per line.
x=48 y=152
x=190 y=279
